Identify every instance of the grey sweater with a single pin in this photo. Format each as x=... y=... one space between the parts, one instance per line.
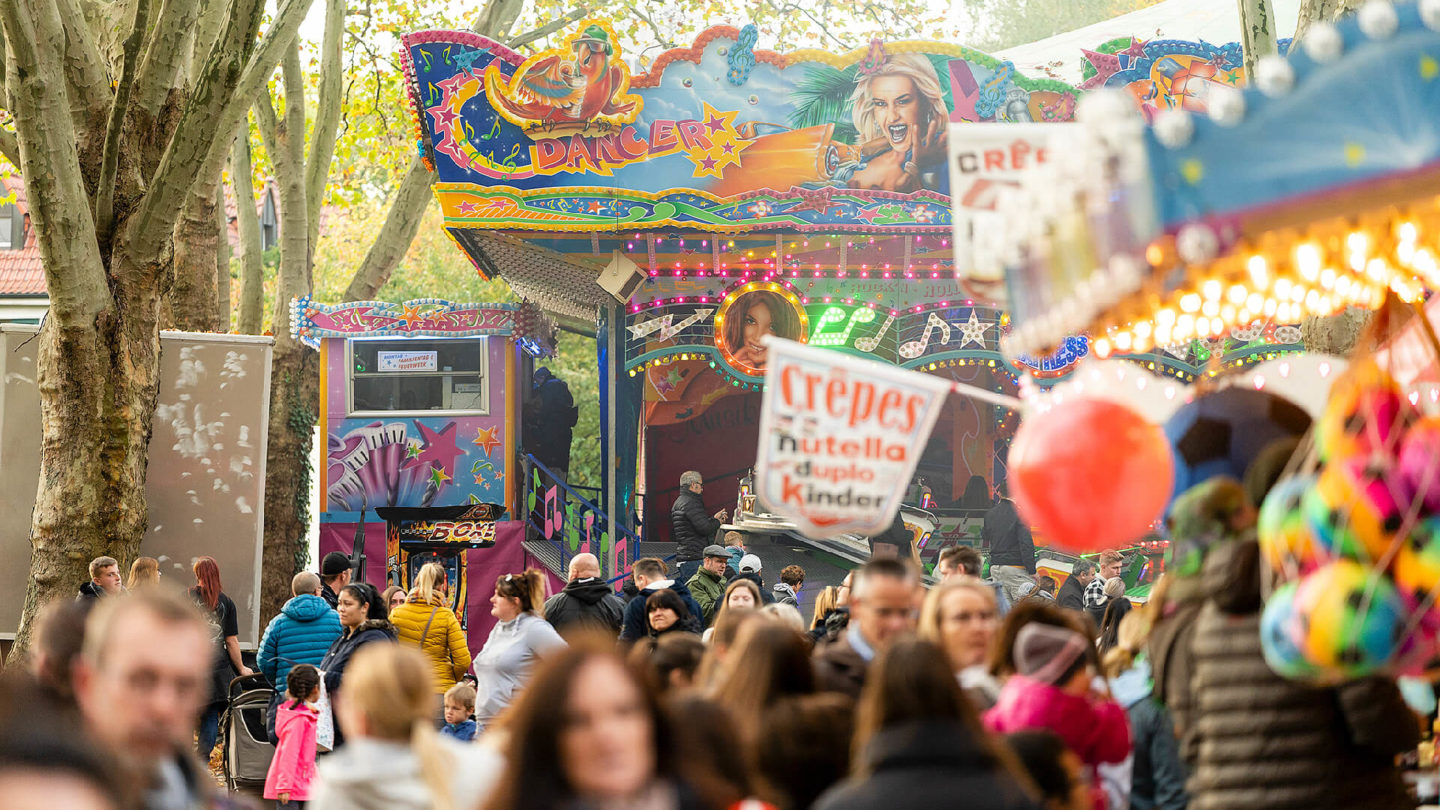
x=504 y=664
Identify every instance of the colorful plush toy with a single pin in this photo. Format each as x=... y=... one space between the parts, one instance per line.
x=1286 y=539
x=1416 y=569
x=1367 y=415
x=1281 y=636
x=1419 y=465
x=1351 y=619
x=1353 y=511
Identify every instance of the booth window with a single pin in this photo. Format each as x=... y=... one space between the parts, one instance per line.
x=418 y=375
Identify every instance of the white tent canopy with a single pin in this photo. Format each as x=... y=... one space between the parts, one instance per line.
x=1214 y=21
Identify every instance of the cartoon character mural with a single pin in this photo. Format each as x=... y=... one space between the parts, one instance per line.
x=582 y=84
x=1166 y=74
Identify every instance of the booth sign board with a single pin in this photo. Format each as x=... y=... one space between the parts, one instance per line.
x=206 y=482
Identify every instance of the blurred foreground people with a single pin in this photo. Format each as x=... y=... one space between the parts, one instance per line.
x=46 y=761
x=144 y=573
x=918 y=743
x=394 y=759
x=588 y=734
x=1059 y=775
x=882 y=607
x=960 y=616
x=142 y=677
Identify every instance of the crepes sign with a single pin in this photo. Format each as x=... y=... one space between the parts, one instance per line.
x=839 y=437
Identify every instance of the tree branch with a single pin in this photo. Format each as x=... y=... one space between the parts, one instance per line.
x=497 y=15
x=165 y=54
x=110 y=160
x=328 y=107
x=222 y=260
x=10 y=147
x=86 y=69
x=252 y=273
x=207 y=31
x=269 y=126
x=215 y=106
x=50 y=162
x=401 y=223
x=537 y=34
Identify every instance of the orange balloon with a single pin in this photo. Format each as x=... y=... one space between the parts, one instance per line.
x=1090 y=474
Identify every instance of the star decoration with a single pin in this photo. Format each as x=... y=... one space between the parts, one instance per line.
x=467 y=207
x=480 y=480
x=487 y=439
x=439 y=448
x=438 y=476
x=714 y=123
x=412 y=450
x=443 y=116
x=596 y=206
x=1136 y=49
x=973 y=330
x=410 y=315
x=466 y=60
x=452 y=84
x=868 y=214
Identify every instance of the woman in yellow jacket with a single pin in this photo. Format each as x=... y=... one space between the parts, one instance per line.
x=425 y=621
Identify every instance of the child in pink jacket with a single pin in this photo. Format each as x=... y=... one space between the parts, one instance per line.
x=1051 y=690
x=292 y=769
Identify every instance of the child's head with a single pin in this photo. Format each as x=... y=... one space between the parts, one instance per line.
x=459 y=703
x=1052 y=655
x=303 y=684
x=1055 y=770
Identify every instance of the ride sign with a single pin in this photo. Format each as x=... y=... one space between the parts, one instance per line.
x=840 y=437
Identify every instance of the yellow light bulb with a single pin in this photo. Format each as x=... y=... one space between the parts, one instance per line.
x=1210 y=309
x=1255 y=302
x=1308 y=260
x=1165 y=317
x=1282 y=288
x=1327 y=278
x=1122 y=341
x=1237 y=294
x=1227 y=315
x=1211 y=290
x=1259 y=272
x=1141 y=329
x=1190 y=302
x=1102 y=348
x=1163 y=335
x=1270 y=308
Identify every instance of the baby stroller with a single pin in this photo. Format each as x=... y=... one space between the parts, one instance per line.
x=245 y=747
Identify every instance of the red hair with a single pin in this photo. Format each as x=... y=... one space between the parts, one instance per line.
x=207 y=581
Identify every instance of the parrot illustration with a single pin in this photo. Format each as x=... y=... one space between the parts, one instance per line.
x=557 y=90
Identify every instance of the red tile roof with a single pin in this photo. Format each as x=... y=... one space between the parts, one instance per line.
x=20 y=270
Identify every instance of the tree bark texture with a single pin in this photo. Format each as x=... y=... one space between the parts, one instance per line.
x=194 y=301
x=99 y=349
x=402 y=221
x=1336 y=334
x=222 y=260
x=1257 y=32
x=252 y=271
x=1313 y=11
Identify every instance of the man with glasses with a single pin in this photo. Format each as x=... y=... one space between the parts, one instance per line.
x=690 y=527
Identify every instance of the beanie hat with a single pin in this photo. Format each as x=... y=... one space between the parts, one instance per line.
x=749 y=563
x=1044 y=652
x=334 y=564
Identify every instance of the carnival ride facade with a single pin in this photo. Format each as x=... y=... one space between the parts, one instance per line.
x=730 y=192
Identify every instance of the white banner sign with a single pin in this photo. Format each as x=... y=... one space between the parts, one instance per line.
x=407 y=361
x=984 y=160
x=840 y=437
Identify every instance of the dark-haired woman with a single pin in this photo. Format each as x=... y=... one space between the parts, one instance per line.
x=519 y=638
x=588 y=734
x=357 y=629
x=918 y=743
x=666 y=614
x=227 y=663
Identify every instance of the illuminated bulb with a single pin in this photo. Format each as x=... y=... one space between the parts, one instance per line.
x=1163 y=335
x=1255 y=302
x=1210 y=309
x=1237 y=294
x=1245 y=316
x=1122 y=341
x=1227 y=314
x=1211 y=290
x=1282 y=288
x=1312 y=300
x=1141 y=329
x=1190 y=302
x=1327 y=278
x=1102 y=348
x=1184 y=327
x=1376 y=270
x=1259 y=272
x=1307 y=260
x=1165 y=317
x=1297 y=293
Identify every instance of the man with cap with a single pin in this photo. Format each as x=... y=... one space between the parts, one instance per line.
x=1051 y=690
x=750 y=569
x=708 y=584
x=334 y=574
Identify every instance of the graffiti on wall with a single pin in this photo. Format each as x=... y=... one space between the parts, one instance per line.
x=414 y=462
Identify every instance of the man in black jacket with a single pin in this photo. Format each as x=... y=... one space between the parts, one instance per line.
x=1012 y=548
x=690 y=527
x=587 y=603
x=1072 y=593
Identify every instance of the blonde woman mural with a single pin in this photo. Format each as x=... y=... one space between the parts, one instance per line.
x=899 y=110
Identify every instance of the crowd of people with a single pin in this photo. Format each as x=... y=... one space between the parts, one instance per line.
x=996 y=691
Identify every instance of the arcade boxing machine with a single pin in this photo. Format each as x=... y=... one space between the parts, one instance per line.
x=416 y=535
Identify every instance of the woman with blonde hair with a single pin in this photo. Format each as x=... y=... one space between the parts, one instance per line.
x=426 y=621
x=144 y=573
x=518 y=640
x=960 y=617
x=394 y=759
x=899 y=112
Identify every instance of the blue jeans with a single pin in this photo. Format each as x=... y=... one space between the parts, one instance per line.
x=209 y=730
